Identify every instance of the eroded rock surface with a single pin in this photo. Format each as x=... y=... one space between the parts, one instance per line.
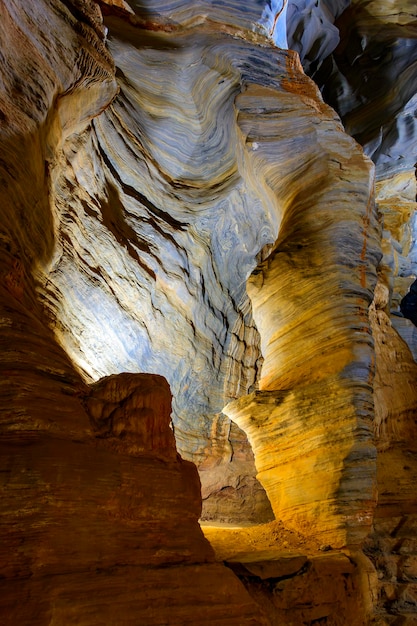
x=98 y=511
x=308 y=453
x=151 y=164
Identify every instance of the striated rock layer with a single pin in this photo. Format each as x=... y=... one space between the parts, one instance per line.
x=98 y=512
x=177 y=199
x=151 y=201
x=315 y=458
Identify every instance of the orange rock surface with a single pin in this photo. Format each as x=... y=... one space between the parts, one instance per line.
x=206 y=311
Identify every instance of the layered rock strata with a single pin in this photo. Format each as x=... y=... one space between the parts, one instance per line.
x=171 y=212
x=316 y=459
x=370 y=80
x=375 y=70
x=294 y=580
x=149 y=164
x=292 y=589
x=98 y=511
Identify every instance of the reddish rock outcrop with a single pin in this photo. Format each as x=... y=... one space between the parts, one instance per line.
x=152 y=161
x=98 y=511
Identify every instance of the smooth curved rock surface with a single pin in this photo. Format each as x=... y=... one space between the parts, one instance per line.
x=295 y=304
x=370 y=80
x=150 y=165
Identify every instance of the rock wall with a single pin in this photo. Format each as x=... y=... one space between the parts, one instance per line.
x=177 y=199
x=99 y=513
x=309 y=454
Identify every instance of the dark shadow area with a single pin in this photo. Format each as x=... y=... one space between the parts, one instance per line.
x=369 y=79
x=113 y=218
x=408 y=305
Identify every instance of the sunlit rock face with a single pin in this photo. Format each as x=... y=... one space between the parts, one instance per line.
x=308 y=453
x=155 y=214
x=370 y=79
x=153 y=200
x=178 y=200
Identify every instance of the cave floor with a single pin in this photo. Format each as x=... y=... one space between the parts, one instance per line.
x=292 y=578
x=266 y=541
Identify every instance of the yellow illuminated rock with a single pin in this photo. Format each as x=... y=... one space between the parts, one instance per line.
x=189 y=222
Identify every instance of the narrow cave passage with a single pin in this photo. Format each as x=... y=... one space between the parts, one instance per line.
x=146 y=160
x=231 y=493
x=408 y=305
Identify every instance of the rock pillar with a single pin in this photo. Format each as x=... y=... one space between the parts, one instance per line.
x=310 y=422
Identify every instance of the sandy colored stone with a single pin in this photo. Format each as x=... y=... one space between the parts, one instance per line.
x=294 y=579
x=95 y=522
x=149 y=164
x=268 y=565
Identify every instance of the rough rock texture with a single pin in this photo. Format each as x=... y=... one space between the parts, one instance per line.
x=292 y=590
x=295 y=580
x=98 y=512
x=180 y=169
x=177 y=199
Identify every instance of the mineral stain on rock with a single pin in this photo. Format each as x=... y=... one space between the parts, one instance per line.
x=207 y=309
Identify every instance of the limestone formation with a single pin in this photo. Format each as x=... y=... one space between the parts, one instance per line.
x=204 y=257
